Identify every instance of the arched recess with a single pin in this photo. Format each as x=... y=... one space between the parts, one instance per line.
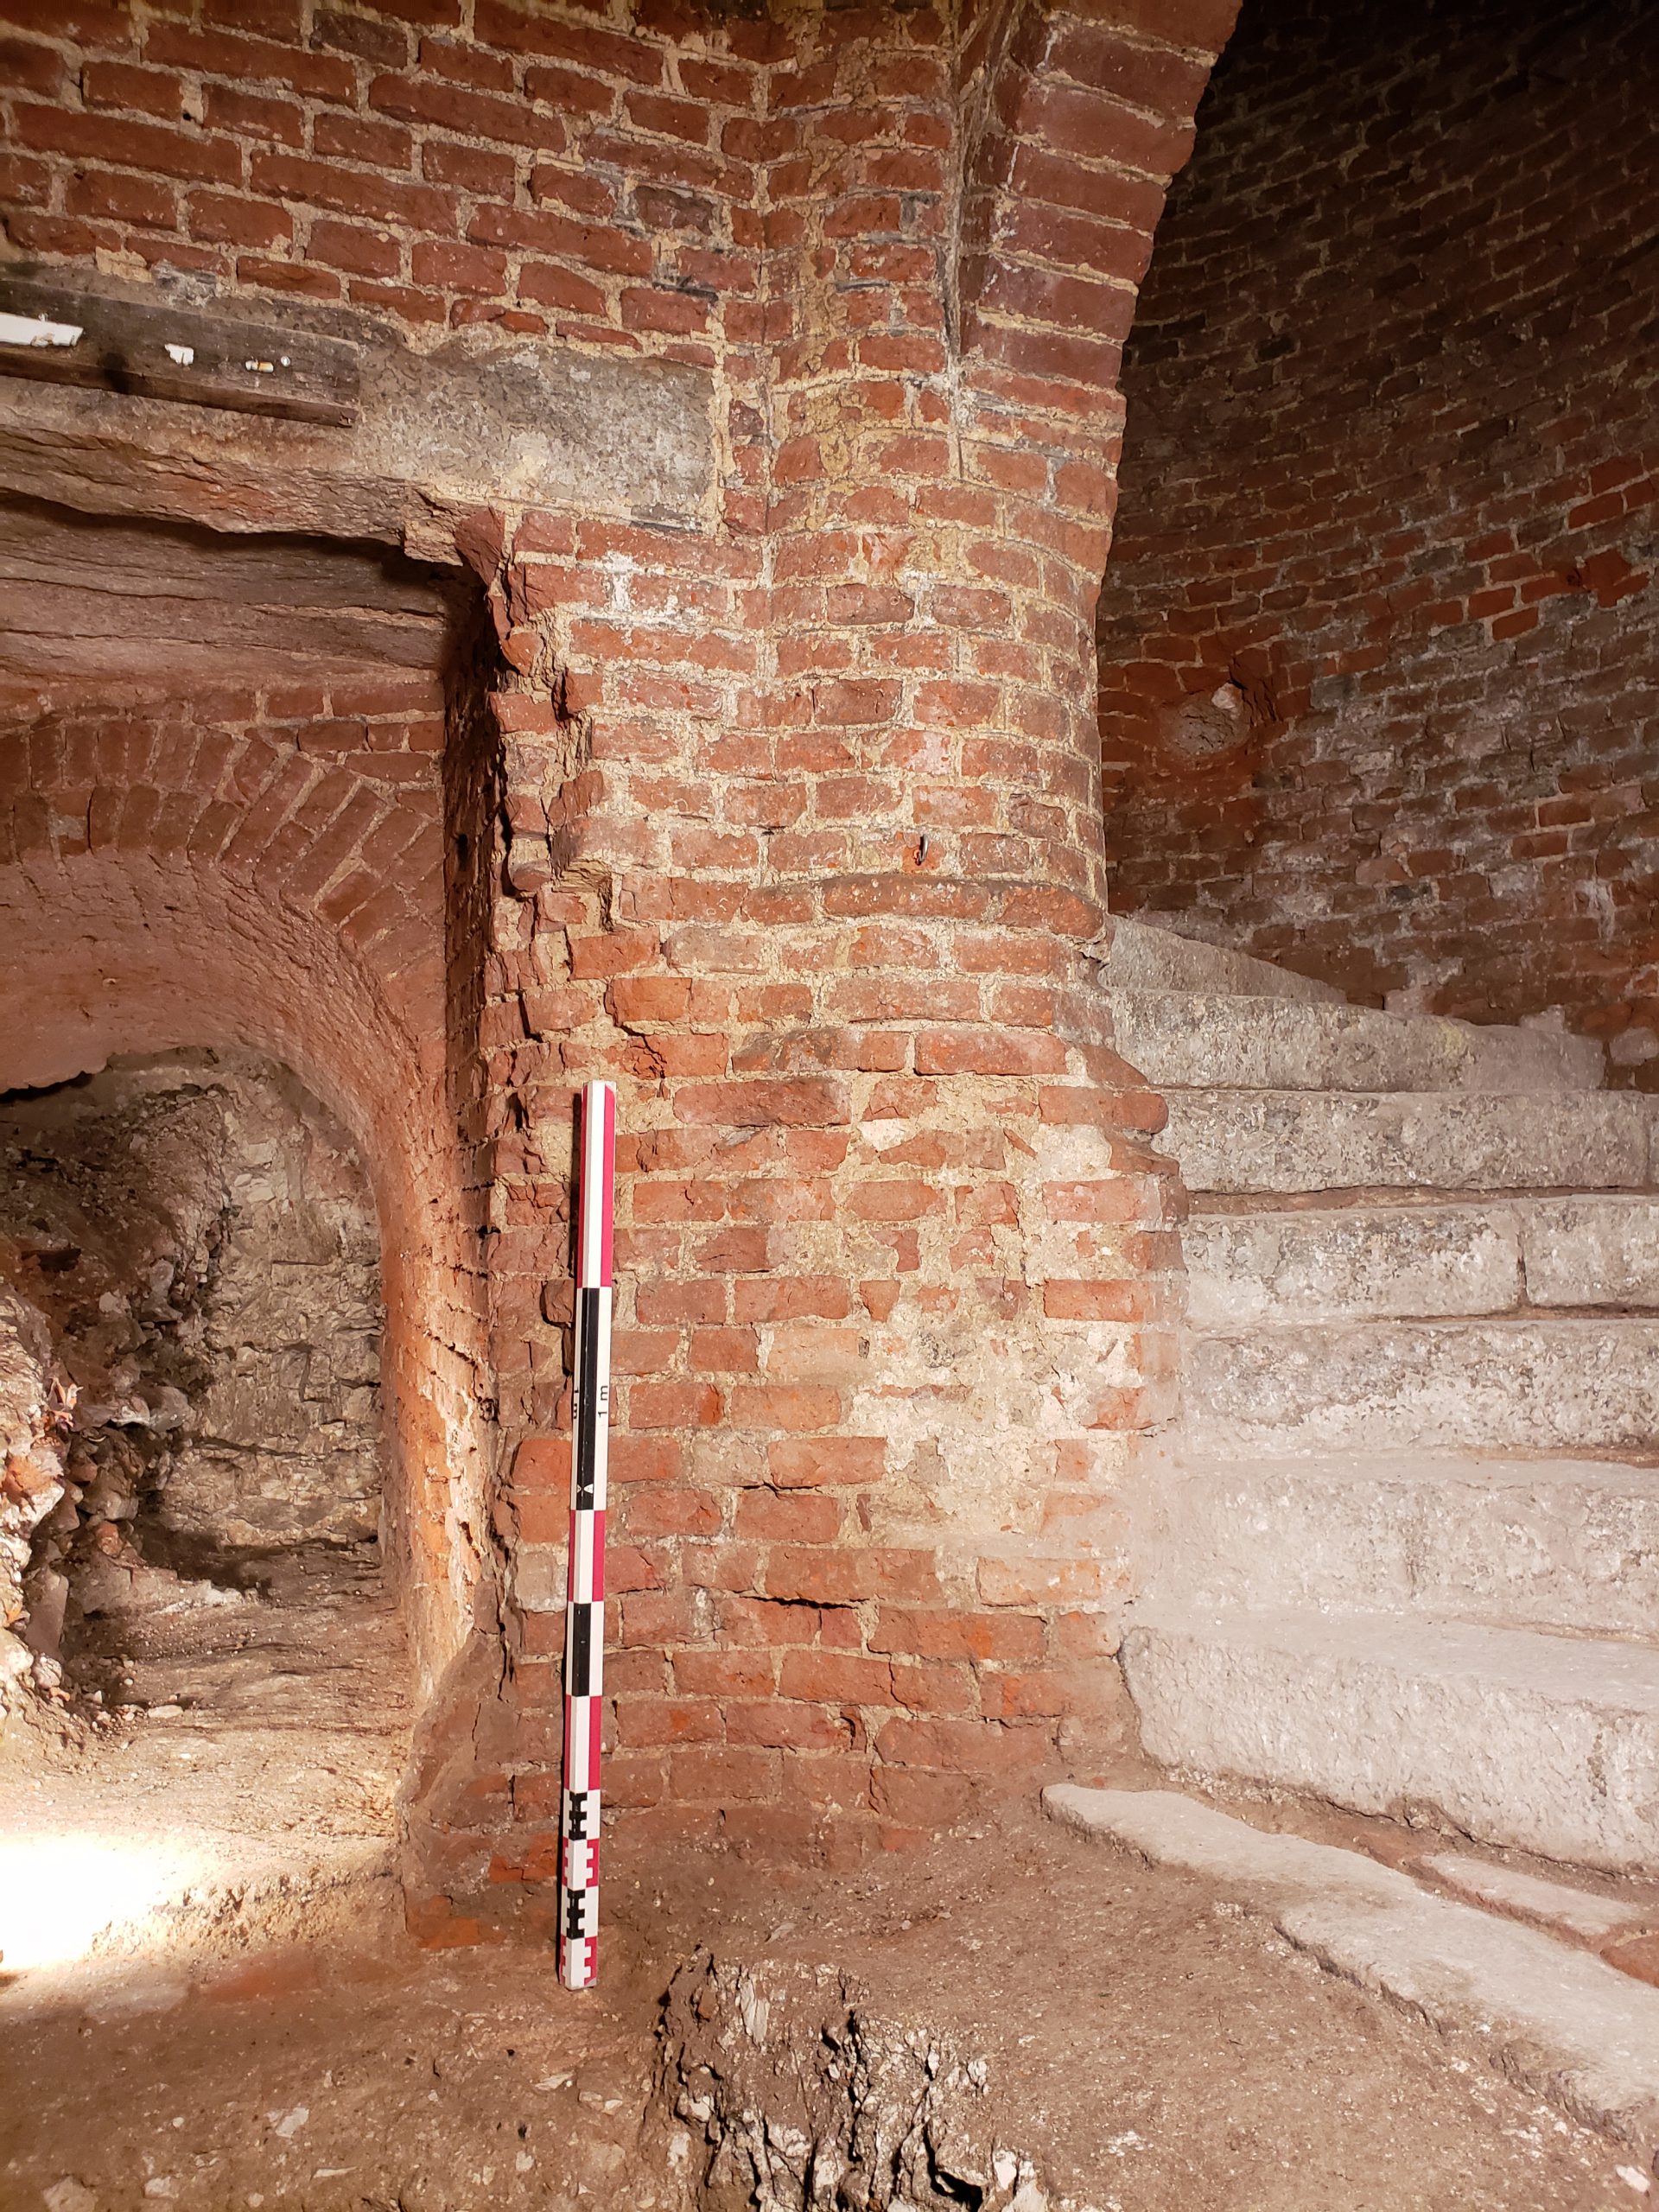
x=1074 y=119
x=175 y=876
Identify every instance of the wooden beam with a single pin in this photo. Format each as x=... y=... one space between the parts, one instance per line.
x=55 y=335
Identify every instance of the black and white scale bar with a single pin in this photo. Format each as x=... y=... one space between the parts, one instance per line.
x=584 y=1615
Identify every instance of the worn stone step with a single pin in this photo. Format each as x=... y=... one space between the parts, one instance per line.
x=1534 y=2010
x=1199 y=1040
x=1591 y=1251
x=1530 y=1384
x=1302 y=1140
x=1144 y=957
x=1547 y=1743
x=1567 y=1544
x=1360 y=1263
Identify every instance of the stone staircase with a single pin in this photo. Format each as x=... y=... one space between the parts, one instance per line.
x=1404 y=1549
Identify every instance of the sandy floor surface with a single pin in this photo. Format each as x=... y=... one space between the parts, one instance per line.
x=1154 y=2048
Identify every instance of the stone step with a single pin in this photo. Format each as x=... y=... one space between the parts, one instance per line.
x=1361 y=1263
x=1588 y=1916
x=1566 y=1544
x=1545 y=1743
x=1145 y=958
x=1303 y=1140
x=1533 y=2009
x=1584 y=1251
x=1530 y=1384
x=1199 y=1040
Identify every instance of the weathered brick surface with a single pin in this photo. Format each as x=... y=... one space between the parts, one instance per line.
x=786 y=818
x=1377 y=690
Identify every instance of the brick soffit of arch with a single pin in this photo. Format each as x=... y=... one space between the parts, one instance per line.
x=164 y=883
x=1075 y=118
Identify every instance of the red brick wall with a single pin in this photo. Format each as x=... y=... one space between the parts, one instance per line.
x=438 y=163
x=789 y=814
x=1388 y=492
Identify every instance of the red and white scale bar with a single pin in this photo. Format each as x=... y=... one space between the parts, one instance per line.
x=584 y=1612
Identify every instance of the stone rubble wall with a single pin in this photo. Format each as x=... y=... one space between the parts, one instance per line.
x=34 y=1412
x=201 y=1245
x=1377 y=684
x=262 y=870
x=784 y=2088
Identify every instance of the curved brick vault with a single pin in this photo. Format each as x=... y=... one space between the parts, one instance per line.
x=789 y=824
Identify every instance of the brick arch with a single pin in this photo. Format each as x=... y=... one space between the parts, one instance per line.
x=267 y=873
x=1077 y=117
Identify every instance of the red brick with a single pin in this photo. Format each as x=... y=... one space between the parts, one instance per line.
x=672 y=1405
x=103 y=84
x=352 y=246
x=454 y=268
x=844 y=1577
x=789 y=1727
x=143 y=146
x=727 y=1774
x=726 y=1674
x=652 y=1720
x=930 y=1801
x=787 y=1406
x=1009 y=1637
x=237 y=222
x=471 y=168
x=835 y=1678
x=126 y=199
x=818 y=1461
x=352 y=192
x=254 y=115
x=967 y=1746
x=470 y=115
x=793 y=1518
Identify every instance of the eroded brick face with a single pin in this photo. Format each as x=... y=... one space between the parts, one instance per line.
x=783 y=813
x=1377 y=667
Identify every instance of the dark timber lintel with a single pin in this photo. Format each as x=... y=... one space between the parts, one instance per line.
x=162 y=352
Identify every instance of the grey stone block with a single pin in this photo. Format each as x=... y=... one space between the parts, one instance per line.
x=1200 y=1041
x=1538 y=2010
x=1547 y=1743
x=1591 y=1251
x=1146 y=958
x=1520 y=1543
x=1351 y=1263
x=1583 y=1913
x=1506 y=1385
x=1289 y=1141
x=477 y=419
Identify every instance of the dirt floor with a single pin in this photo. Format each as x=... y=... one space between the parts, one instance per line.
x=1156 y=2050
x=242 y=1769
x=208 y=2001
x=1150 y=2050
